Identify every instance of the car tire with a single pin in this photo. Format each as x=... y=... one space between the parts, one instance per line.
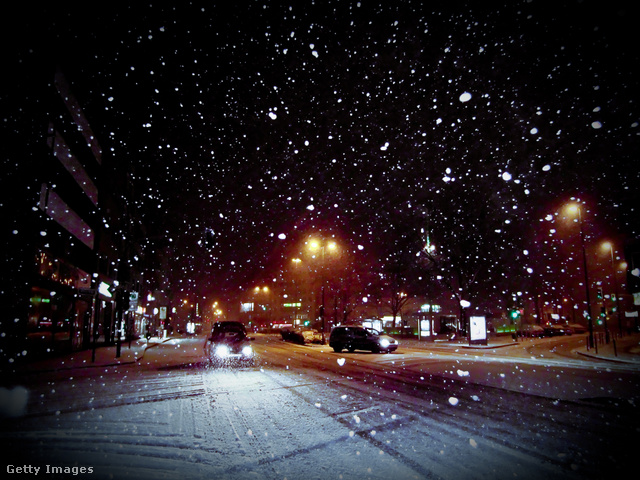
x=337 y=348
x=351 y=348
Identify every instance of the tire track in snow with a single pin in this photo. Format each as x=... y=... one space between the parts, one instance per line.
x=454 y=427
x=146 y=390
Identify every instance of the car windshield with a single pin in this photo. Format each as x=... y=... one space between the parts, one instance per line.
x=228 y=331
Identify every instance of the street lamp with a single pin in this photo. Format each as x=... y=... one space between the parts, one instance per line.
x=296 y=319
x=267 y=306
x=609 y=245
x=575 y=209
x=314 y=245
x=464 y=305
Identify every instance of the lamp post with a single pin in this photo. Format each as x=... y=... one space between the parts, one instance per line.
x=296 y=316
x=575 y=208
x=267 y=306
x=464 y=304
x=314 y=246
x=609 y=245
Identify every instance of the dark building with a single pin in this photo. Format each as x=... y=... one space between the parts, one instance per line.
x=68 y=235
x=64 y=291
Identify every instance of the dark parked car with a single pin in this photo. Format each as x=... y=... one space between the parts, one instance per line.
x=555 y=330
x=577 y=328
x=301 y=335
x=531 y=331
x=228 y=343
x=353 y=337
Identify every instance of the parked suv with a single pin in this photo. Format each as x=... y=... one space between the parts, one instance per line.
x=354 y=337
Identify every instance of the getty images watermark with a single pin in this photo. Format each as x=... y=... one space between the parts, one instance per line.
x=48 y=469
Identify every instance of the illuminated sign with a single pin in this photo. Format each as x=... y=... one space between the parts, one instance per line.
x=104 y=289
x=425 y=328
x=477 y=329
x=430 y=308
x=246 y=307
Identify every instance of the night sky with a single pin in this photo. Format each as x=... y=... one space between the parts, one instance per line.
x=266 y=121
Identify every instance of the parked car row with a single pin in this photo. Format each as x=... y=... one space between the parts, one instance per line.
x=556 y=330
x=550 y=330
x=577 y=328
x=355 y=337
x=349 y=337
x=531 y=331
x=301 y=335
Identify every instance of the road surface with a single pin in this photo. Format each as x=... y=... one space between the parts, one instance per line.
x=305 y=412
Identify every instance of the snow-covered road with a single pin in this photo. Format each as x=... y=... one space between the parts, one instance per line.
x=302 y=413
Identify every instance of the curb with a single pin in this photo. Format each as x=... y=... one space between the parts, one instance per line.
x=607 y=359
x=489 y=347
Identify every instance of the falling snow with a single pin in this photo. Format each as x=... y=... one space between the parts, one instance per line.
x=358 y=107
x=392 y=125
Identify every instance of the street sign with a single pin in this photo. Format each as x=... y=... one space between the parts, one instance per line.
x=133 y=301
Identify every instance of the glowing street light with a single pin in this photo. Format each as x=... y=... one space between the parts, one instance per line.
x=609 y=246
x=261 y=302
x=574 y=209
x=296 y=318
x=315 y=245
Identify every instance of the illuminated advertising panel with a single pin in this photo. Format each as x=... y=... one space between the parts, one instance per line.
x=477 y=330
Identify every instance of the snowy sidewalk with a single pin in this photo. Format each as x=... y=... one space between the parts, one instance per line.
x=105 y=356
x=622 y=349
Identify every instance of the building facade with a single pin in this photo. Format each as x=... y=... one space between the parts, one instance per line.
x=67 y=282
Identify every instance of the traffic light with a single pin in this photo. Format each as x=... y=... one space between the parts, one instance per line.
x=600 y=294
x=515 y=313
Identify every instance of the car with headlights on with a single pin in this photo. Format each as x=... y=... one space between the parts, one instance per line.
x=355 y=337
x=228 y=344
